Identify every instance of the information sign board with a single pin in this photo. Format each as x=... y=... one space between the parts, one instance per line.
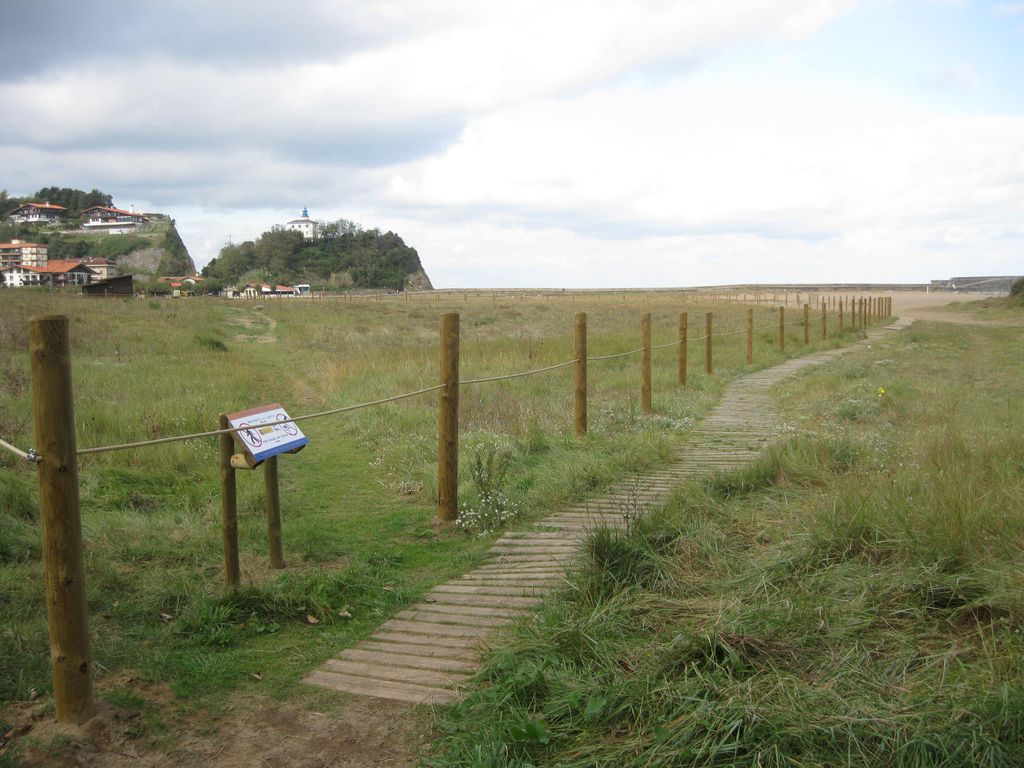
x=265 y=431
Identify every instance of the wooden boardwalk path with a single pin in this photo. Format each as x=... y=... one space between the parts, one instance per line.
x=424 y=653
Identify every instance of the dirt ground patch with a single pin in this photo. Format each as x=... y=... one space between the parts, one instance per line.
x=260 y=328
x=933 y=307
x=254 y=733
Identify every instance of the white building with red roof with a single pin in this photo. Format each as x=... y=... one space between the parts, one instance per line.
x=57 y=273
x=37 y=213
x=115 y=221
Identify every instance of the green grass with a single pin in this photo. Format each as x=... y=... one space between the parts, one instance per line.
x=856 y=597
x=358 y=503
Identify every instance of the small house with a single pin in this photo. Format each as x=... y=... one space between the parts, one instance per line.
x=114 y=221
x=104 y=268
x=122 y=285
x=37 y=213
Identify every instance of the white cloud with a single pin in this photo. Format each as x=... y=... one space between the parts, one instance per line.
x=534 y=143
x=449 y=59
x=712 y=154
x=1009 y=9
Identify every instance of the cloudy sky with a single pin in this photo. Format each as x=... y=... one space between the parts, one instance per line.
x=528 y=143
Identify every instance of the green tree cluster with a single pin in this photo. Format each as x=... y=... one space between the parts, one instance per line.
x=75 y=200
x=370 y=258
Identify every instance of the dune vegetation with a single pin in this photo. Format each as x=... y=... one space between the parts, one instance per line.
x=856 y=597
x=358 y=503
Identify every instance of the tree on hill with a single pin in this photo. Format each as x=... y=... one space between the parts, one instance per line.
x=369 y=258
x=75 y=200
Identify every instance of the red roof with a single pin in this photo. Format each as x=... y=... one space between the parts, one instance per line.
x=21 y=245
x=60 y=265
x=284 y=288
x=49 y=206
x=112 y=210
x=23 y=266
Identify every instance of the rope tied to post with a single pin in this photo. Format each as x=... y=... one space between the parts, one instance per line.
x=30 y=456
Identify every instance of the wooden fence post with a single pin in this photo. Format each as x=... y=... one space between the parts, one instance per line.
x=273 y=494
x=580 y=378
x=683 y=332
x=782 y=329
x=60 y=518
x=228 y=506
x=824 y=321
x=448 y=425
x=645 y=362
x=750 y=337
x=708 y=367
x=807 y=323
x=840 y=315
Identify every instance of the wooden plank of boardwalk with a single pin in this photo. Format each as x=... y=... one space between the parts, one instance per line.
x=425 y=652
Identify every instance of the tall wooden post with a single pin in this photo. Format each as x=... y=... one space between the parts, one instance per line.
x=750 y=337
x=782 y=329
x=273 y=494
x=580 y=378
x=448 y=425
x=60 y=518
x=708 y=367
x=228 y=507
x=683 y=332
x=824 y=321
x=840 y=303
x=807 y=323
x=645 y=362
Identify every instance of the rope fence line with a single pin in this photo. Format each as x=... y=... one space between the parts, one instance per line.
x=612 y=357
x=235 y=430
x=508 y=376
x=32 y=458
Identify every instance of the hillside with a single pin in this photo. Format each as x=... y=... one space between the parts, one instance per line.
x=155 y=248
x=343 y=256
